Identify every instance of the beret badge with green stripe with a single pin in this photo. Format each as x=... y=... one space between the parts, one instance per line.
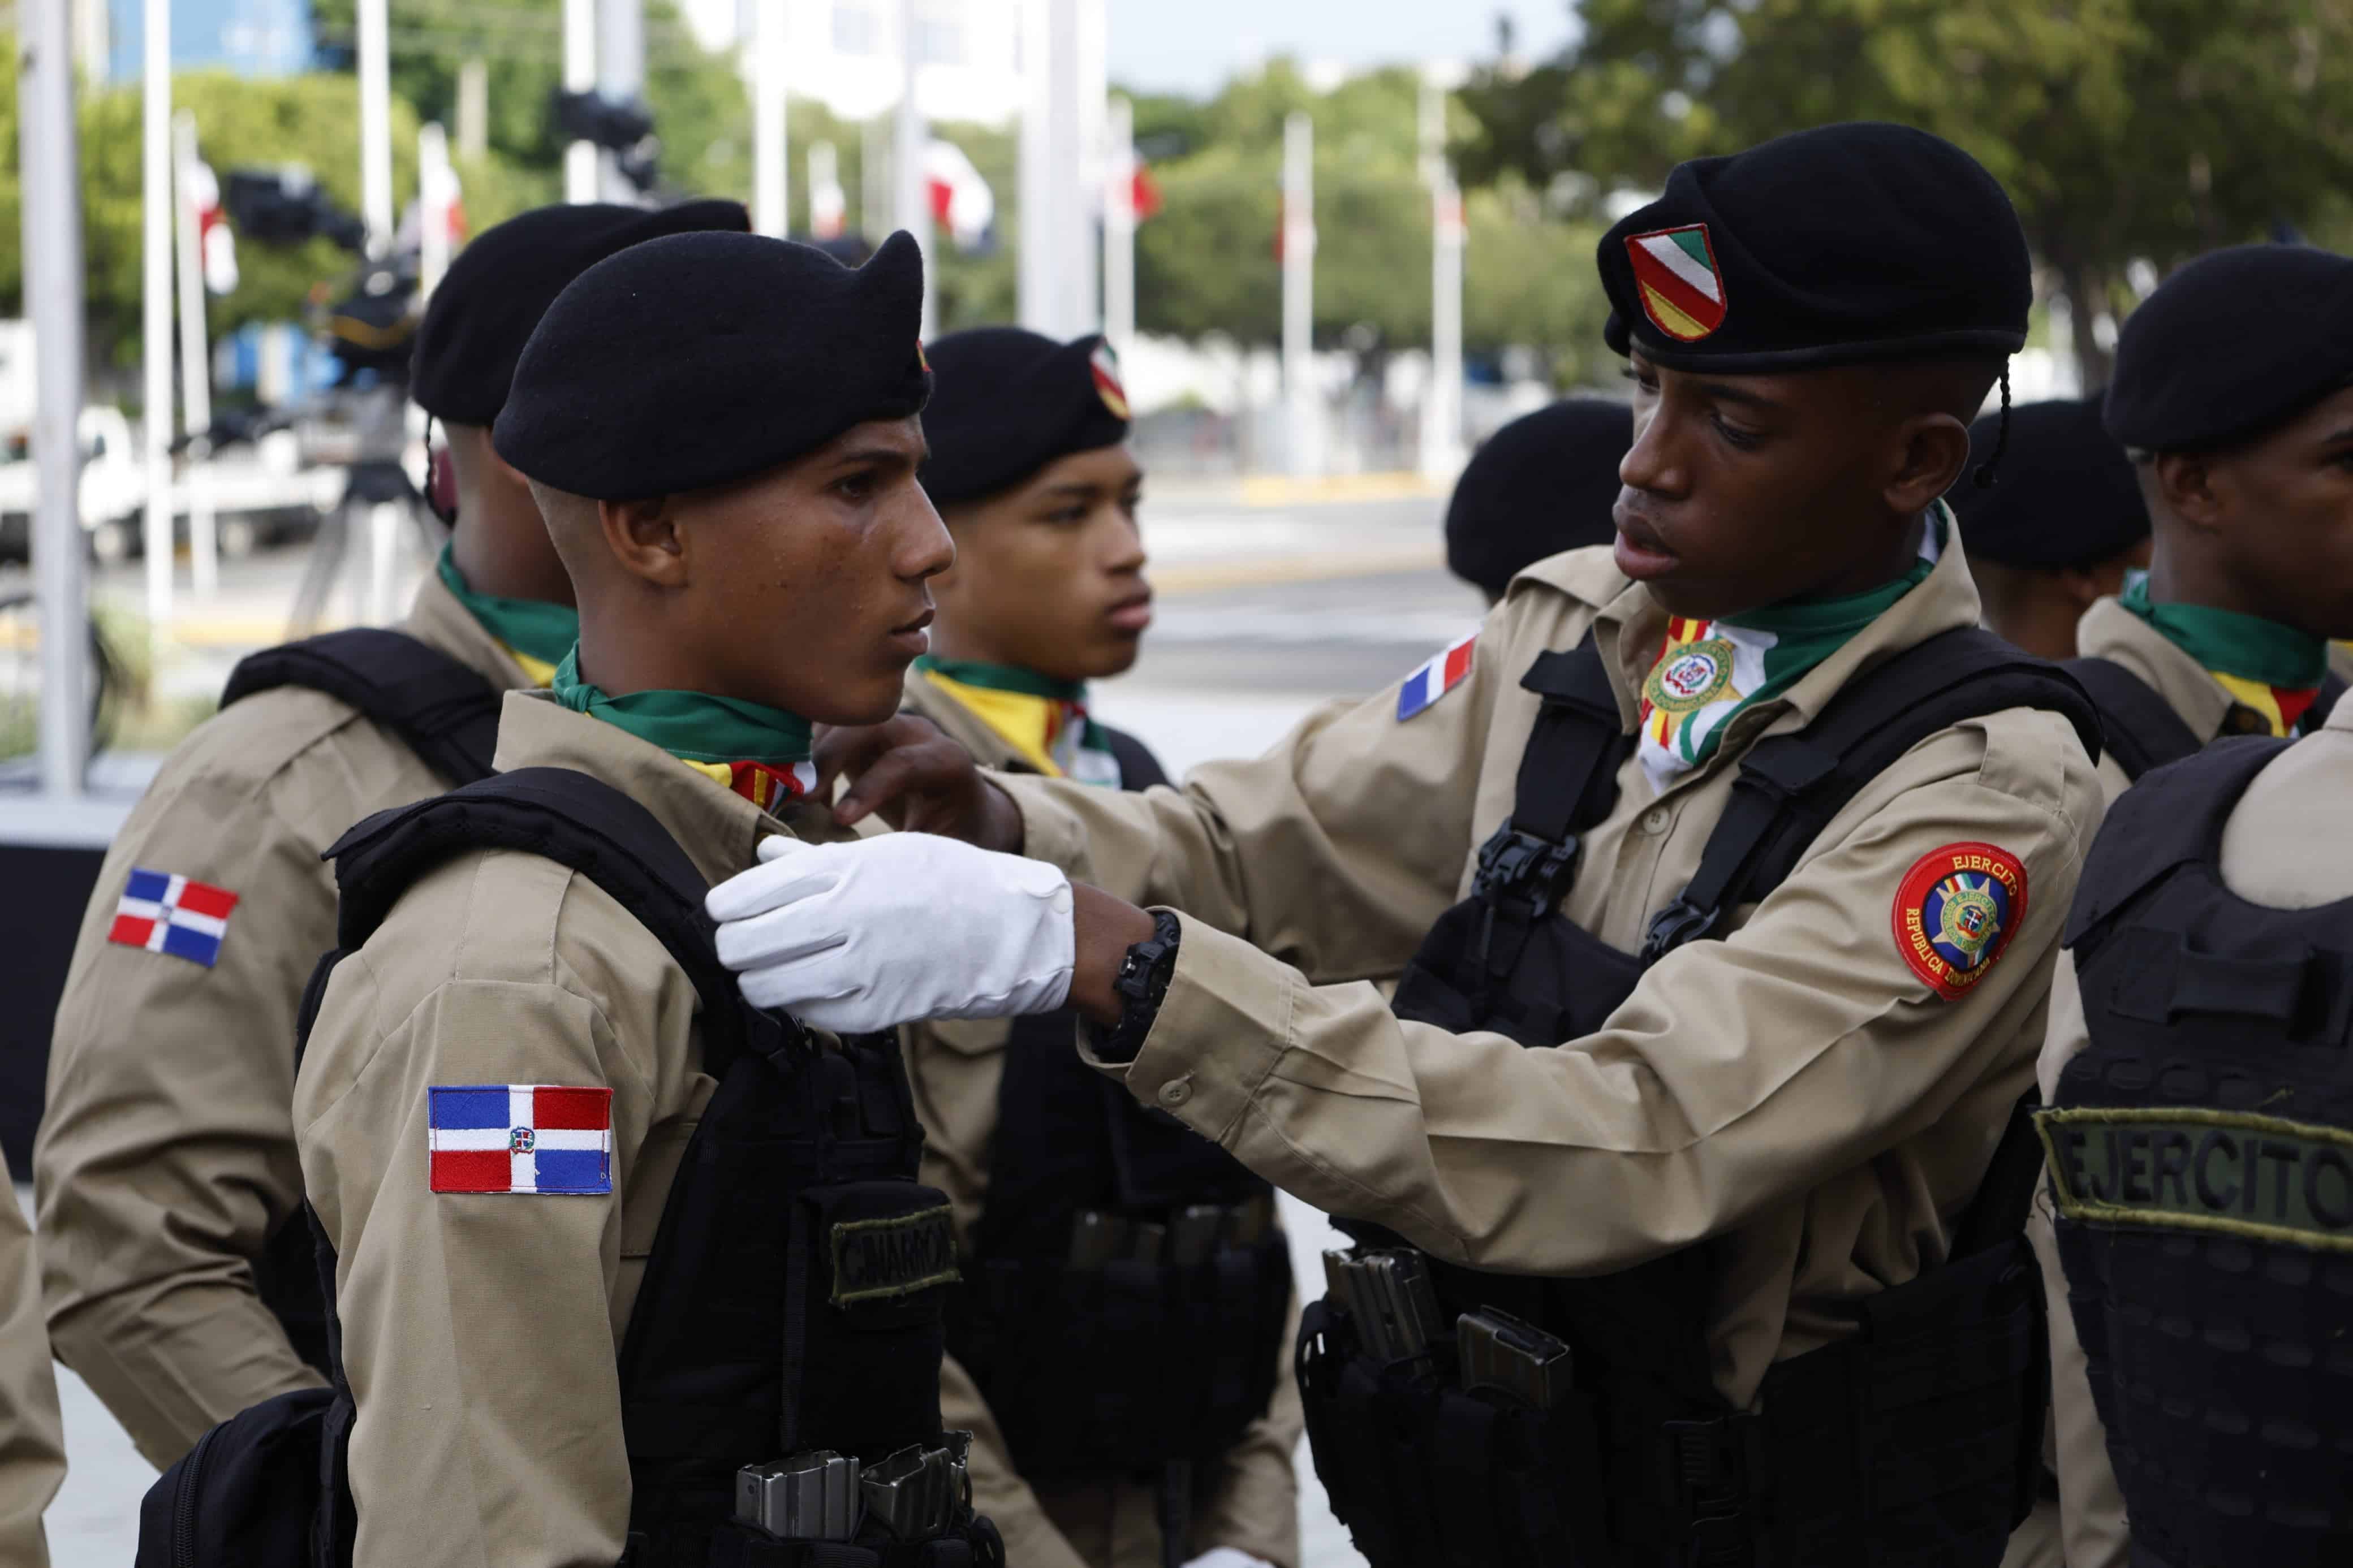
x=1681 y=287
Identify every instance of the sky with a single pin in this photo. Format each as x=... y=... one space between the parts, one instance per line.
x=1192 y=45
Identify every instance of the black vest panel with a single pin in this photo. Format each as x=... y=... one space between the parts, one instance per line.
x=1127 y=1292
x=2141 y=730
x=2201 y=1159
x=792 y=1298
x=1914 y=1441
x=448 y=715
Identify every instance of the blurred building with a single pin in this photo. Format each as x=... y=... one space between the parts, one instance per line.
x=251 y=38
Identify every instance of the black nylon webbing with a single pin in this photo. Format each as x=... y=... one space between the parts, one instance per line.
x=441 y=710
x=2141 y=728
x=1568 y=775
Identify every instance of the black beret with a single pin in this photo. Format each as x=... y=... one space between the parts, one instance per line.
x=1826 y=247
x=2233 y=344
x=1542 y=484
x=2068 y=495
x=700 y=359
x=503 y=282
x=1007 y=402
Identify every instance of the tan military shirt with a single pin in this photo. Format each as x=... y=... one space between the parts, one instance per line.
x=481 y=1332
x=1252 y=1504
x=1795 y=1091
x=2110 y=631
x=165 y=1159
x=32 y=1443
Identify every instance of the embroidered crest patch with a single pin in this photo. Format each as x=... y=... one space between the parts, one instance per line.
x=1692 y=678
x=1681 y=285
x=519 y=1138
x=166 y=913
x=1434 y=679
x=1956 y=910
x=1108 y=386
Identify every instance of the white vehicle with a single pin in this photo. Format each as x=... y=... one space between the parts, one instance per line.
x=113 y=488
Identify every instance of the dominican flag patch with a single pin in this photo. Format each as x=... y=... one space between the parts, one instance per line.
x=164 y=913
x=1436 y=679
x=519 y=1138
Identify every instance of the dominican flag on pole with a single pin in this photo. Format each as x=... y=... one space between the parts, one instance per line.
x=519 y=1138
x=164 y=913
x=1436 y=679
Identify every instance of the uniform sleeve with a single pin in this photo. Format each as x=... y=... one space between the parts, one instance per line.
x=1252 y=1500
x=166 y=1154
x=997 y=1489
x=478 y=1333
x=1334 y=851
x=1806 y=1029
x=2090 y=1504
x=32 y=1443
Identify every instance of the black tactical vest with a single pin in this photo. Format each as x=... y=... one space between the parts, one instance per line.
x=2201 y=1160
x=446 y=714
x=1583 y=1425
x=792 y=1300
x=2141 y=730
x=1127 y=1292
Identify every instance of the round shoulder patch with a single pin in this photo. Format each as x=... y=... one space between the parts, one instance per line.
x=1956 y=910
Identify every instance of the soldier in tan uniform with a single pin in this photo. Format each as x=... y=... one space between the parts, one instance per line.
x=2242 y=431
x=165 y=1163
x=1030 y=470
x=32 y=1444
x=755 y=558
x=1762 y=1152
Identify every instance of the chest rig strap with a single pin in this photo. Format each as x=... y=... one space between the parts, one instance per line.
x=1567 y=783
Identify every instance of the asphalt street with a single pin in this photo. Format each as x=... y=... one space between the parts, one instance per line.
x=1262 y=614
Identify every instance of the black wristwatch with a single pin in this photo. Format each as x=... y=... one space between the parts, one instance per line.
x=1144 y=976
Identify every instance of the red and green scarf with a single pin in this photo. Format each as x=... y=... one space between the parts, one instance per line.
x=2275 y=671
x=762 y=754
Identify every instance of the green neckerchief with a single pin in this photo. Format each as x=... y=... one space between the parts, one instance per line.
x=692 y=726
x=2225 y=642
x=1003 y=677
x=540 y=631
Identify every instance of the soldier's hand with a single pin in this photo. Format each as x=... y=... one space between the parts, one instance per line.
x=917 y=779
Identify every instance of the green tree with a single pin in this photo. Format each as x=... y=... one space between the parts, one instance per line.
x=2123 y=129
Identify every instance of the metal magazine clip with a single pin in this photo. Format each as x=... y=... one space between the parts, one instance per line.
x=1518 y=1359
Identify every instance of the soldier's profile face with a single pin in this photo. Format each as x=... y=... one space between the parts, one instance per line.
x=2285 y=511
x=812 y=579
x=1745 y=491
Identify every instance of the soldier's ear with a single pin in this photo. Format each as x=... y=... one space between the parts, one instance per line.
x=645 y=538
x=1931 y=452
x=2185 y=483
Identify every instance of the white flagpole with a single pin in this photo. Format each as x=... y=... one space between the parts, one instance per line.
x=53 y=300
x=913 y=192
x=195 y=365
x=436 y=188
x=620 y=74
x=1441 y=410
x=1304 y=416
x=580 y=76
x=156 y=336
x=375 y=125
x=1119 y=229
x=771 y=153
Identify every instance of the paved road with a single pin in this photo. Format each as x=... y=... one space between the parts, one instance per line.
x=1263 y=614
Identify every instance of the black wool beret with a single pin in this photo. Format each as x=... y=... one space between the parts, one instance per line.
x=498 y=287
x=1834 y=245
x=2068 y=495
x=701 y=359
x=1007 y=402
x=2235 y=343
x=1542 y=484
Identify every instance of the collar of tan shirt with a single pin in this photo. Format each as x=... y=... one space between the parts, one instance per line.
x=718 y=828
x=1631 y=627
x=967 y=729
x=437 y=619
x=2110 y=631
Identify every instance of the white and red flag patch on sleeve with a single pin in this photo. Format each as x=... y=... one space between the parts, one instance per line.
x=519 y=1138
x=1433 y=680
x=166 y=913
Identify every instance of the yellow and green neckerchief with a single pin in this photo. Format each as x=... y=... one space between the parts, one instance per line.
x=536 y=634
x=762 y=754
x=1043 y=720
x=2272 y=670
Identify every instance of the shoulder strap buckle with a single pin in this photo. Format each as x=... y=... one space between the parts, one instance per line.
x=1678 y=923
x=1529 y=871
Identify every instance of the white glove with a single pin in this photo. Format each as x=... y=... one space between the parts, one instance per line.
x=1227 y=1557
x=896 y=929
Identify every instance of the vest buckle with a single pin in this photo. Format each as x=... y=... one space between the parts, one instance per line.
x=1678 y=923
x=1528 y=871
x=1711 y=1470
